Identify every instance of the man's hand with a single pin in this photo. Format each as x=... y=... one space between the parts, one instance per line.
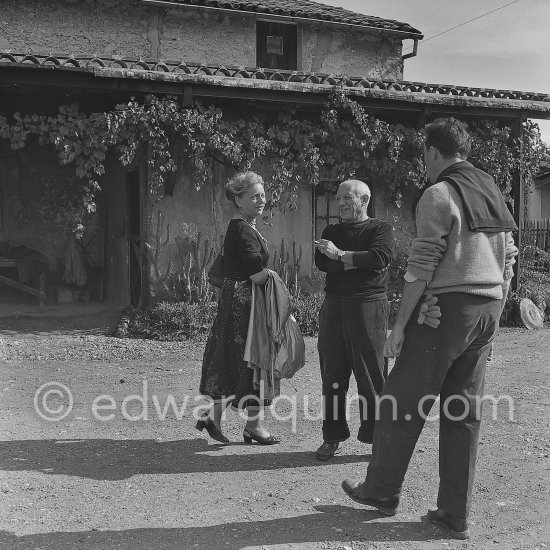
x=394 y=343
x=429 y=312
x=328 y=248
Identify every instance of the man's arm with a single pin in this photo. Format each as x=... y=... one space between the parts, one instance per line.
x=380 y=253
x=326 y=257
x=433 y=225
x=377 y=258
x=323 y=261
x=411 y=295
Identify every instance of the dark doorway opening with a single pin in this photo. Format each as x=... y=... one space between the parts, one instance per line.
x=135 y=266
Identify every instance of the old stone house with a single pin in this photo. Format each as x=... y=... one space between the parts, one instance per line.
x=249 y=54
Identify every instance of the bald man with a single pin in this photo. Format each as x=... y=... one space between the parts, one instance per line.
x=355 y=255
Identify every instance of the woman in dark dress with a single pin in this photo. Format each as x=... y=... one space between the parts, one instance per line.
x=226 y=378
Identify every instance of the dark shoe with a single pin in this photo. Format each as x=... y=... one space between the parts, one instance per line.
x=327 y=450
x=457 y=527
x=387 y=506
x=249 y=436
x=366 y=436
x=212 y=429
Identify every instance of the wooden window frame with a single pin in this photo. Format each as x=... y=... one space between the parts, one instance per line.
x=290 y=59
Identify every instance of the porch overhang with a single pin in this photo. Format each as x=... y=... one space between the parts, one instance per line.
x=196 y=80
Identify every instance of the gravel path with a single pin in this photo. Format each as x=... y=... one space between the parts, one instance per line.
x=140 y=481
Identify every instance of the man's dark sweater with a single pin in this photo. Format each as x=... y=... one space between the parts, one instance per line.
x=373 y=244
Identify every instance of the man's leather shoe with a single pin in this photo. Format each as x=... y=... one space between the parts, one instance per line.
x=457 y=527
x=327 y=450
x=388 y=506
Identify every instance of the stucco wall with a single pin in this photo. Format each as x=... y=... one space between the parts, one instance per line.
x=207 y=36
x=80 y=27
x=127 y=29
x=354 y=53
x=207 y=211
x=545 y=202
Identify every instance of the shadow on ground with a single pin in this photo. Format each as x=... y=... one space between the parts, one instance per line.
x=340 y=523
x=92 y=318
x=110 y=459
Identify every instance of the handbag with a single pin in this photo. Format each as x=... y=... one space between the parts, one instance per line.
x=216 y=273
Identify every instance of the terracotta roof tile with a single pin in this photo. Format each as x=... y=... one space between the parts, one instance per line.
x=133 y=68
x=301 y=8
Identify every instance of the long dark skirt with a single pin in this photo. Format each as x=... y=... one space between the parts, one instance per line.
x=224 y=373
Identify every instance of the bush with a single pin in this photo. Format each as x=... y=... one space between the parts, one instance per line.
x=534 y=284
x=397 y=270
x=305 y=308
x=173 y=321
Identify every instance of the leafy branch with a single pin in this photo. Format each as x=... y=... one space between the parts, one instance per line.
x=290 y=149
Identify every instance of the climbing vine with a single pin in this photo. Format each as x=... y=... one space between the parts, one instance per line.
x=289 y=149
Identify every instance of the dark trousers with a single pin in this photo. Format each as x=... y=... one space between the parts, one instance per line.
x=351 y=339
x=450 y=361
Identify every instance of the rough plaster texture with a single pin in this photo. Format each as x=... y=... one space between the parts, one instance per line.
x=334 y=51
x=127 y=29
x=207 y=211
x=539 y=202
x=208 y=37
x=80 y=27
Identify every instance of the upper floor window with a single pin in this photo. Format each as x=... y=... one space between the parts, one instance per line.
x=276 y=46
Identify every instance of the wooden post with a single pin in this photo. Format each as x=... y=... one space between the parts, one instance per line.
x=145 y=182
x=518 y=193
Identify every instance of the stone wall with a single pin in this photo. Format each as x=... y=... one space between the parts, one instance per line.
x=353 y=53
x=127 y=29
x=188 y=212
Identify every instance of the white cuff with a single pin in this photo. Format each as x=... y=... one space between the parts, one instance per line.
x=409 y=277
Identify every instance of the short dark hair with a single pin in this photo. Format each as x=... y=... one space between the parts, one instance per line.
x=449 y=136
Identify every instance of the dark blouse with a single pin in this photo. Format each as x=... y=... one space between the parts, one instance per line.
x=244 y=251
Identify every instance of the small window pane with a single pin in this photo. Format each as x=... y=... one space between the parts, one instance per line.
x=275 y=45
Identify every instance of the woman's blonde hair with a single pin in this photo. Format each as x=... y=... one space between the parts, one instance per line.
x=240 y=183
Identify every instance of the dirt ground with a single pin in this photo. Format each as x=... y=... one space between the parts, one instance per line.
x=88 y=482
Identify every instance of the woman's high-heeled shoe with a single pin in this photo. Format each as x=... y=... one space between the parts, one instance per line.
x=212 y=430
x=248 y=436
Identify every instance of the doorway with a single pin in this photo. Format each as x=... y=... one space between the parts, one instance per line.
x=135 y=264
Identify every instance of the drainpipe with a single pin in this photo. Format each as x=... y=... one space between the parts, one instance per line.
x=413 y=53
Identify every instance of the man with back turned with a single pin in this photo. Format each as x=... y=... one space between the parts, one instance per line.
x=463 y=254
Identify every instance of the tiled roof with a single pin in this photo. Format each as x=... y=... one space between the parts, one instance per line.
x=303 y=9
x=180 y=72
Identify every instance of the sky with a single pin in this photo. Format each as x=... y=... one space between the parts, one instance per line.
x=508 y=49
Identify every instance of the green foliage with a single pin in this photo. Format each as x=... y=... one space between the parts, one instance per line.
x=535 y=277
x=398 y=267
x=534 y=284
x=292 y=148
x=173 y=321
x=305 y=308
